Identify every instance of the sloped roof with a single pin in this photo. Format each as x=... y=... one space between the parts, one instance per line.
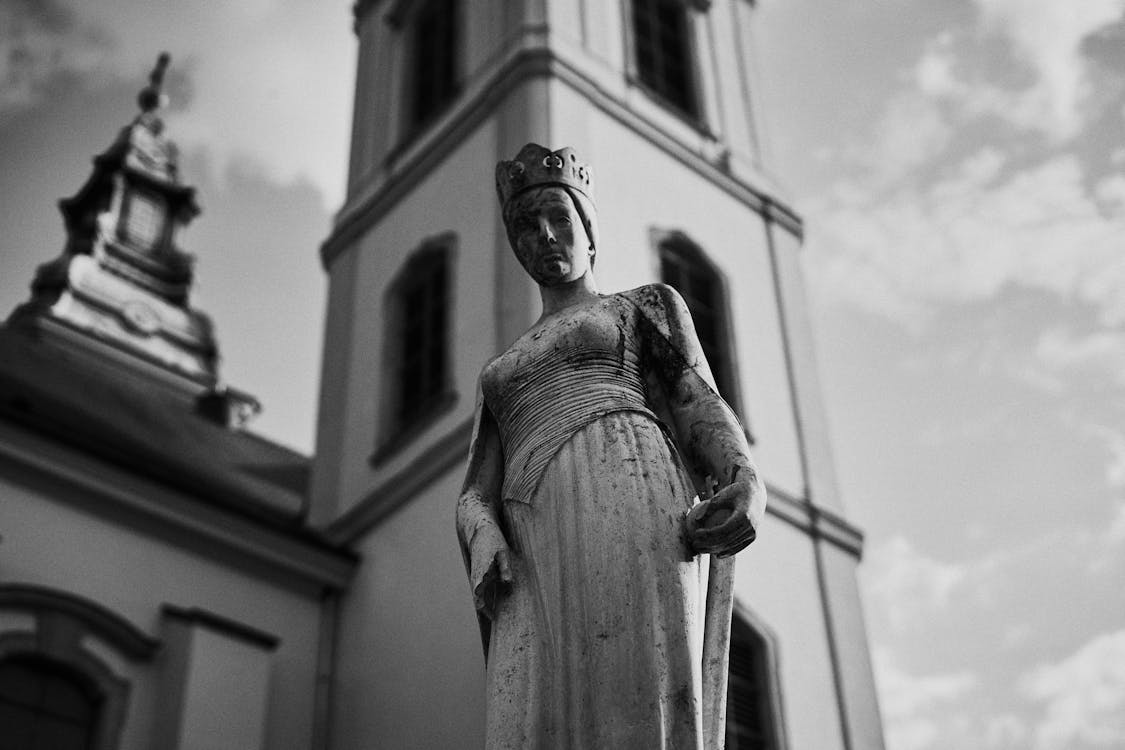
x=149 y=430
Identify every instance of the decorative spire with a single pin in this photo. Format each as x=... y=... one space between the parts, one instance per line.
x=151 y=96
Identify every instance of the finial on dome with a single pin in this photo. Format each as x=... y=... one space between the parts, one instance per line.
x=151 y=97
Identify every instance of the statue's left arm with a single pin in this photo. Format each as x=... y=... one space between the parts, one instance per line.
x=709 y=436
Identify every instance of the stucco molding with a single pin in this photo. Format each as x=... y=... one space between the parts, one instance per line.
x=225 y=625
x=111 y=627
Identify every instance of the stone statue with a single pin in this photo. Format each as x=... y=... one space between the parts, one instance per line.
x=579 y=522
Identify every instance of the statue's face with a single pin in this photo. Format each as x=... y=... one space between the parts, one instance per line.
x=547 y=234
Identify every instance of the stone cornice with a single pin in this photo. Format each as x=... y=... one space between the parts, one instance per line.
x=417 y=159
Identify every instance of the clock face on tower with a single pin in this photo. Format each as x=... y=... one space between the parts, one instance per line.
x=143 y=222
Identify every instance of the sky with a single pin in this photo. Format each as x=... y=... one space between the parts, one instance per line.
x=960 y=167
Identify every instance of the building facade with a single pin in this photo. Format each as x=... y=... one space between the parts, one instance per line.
x=169 y=580
x=660 y=97
x=159 y=584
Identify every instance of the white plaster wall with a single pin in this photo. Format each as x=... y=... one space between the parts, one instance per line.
x=776 y=579
x=457 y=197
x=860 y=695
x=132 y=570
x=410 y=670
x=639 y=187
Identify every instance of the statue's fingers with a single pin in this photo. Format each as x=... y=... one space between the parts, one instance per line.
x=723 y=532
x=740 y=543
x=505 y=566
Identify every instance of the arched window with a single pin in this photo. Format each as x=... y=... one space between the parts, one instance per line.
x=663 y=52
x=752 y=714
x=684 y=266
x=417 y=373
x=44 y=704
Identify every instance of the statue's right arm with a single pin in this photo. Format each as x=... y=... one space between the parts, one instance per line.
x=486 y=552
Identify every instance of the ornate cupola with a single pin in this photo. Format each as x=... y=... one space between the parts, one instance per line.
x=119 y=292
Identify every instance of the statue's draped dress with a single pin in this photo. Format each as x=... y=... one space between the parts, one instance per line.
x=598 y=644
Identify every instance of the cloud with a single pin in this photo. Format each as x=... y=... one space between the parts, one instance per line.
x=966 y=236
x=1100 y=352
x=285 y=105
x=916 y=707
x=1047 y=37
x=906 y=583
x=1082 y=696
x=41 y=43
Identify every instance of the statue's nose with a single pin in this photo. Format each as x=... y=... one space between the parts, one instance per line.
x=545 y=232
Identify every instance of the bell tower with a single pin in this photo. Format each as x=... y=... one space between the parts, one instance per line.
x=118 y=295
x=661 y=98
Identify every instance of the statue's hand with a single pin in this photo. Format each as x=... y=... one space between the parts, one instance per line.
x=727 y=523
x=491 y=568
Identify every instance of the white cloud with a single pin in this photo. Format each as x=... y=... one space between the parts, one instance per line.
x=1083 y=696
x=1047 y=38
x=906 y=583
x=967 y=236
x=284 y=106
x=916 y=707
x=1064 y=352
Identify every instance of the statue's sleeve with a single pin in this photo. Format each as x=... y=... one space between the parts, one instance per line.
x=478 y=505
x=707 y=432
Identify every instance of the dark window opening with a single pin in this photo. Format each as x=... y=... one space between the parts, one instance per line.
x=750 y=724
x=662 y=49
x=45 y=705
x=434 y=64
x=683 y=266
x=421 y=380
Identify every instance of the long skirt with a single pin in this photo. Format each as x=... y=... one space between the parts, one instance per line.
x=599 y=642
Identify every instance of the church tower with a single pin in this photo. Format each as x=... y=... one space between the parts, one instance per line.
x=660 y=97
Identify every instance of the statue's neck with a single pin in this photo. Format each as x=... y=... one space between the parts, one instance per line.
x=561 y=296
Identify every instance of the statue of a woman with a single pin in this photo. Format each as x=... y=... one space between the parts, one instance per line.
x=596 y=431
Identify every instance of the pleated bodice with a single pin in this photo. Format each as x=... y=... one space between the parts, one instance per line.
x=560 y=376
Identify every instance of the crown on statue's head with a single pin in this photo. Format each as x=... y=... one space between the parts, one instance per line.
x=538 y=166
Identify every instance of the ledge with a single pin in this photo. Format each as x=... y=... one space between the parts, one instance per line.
x=472 y=109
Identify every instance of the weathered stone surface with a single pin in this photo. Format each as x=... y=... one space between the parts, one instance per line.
x=596 y=432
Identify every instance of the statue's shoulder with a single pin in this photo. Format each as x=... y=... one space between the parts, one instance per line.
x=659 y=302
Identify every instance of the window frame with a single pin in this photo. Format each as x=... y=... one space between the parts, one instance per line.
x=771 y=708
x=695 y=115
x=60 y=625
x=398 y=430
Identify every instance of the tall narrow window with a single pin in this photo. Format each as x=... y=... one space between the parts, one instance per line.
x=663 y=52
x=434 y=59
x=420 y=338
x=751 y=723
x=44 y=705
x=684 y=266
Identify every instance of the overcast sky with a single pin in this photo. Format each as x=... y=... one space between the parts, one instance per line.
x=961 y=169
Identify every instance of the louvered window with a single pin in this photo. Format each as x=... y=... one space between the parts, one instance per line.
x=750 y=717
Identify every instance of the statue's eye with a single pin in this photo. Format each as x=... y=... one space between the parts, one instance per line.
x=565 y=221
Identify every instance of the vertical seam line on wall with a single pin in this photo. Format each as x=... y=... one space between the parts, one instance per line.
x=822 y=584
